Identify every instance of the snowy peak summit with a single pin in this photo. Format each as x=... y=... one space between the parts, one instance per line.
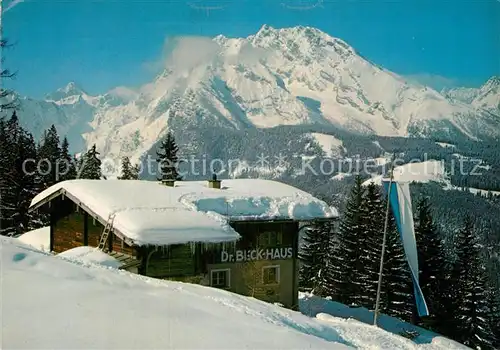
x=486 y=97
x=299 y=38
x=492 y=85
x=70 y=90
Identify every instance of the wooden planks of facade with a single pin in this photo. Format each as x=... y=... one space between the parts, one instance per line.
x=68 y=233
x=71 y=228
x=174 y=261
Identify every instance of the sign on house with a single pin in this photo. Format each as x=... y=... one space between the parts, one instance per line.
x=257 y=254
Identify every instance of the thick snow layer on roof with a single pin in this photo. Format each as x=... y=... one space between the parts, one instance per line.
x=150 y=213
x=39 y=238
x=51 y=303
x=90 y=255
x=247 y=199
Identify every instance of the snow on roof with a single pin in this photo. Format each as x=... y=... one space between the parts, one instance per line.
x=150 y=213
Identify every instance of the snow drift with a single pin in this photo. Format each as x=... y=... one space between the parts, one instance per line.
x=52 y=303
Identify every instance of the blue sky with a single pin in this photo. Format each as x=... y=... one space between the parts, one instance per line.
x=101 y=44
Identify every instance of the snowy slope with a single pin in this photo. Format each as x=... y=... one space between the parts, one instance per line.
x=427 y=171
x=334 y=313
x=330 y=145
x=54 y=303
x=290 y=76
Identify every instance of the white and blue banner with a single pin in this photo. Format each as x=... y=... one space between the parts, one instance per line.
x=400 y=202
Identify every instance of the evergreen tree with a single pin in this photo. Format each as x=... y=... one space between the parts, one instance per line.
x=397 y=298
x=49 y=155
x=168 y=159
x=67 y=165
x=129 y=172
x=494 y=318
x=433 y=268
x=7 y=178
x=90 y=165
x=370 y=244
x=19 y=180
x=314 y=258
x=344 y=277
x=8 y=99
x=470 y=291
x=30 y=184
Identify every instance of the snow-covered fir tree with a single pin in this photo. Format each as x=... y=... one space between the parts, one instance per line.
x=8 y=100
x=434 y=268
x=168 y=159
x=129 y=171
x=19 y=180
x=90 y=165
x=494 y=318
x=67 y=165
x=471 y=312
x=370 y=244
x=49 y=155
x=344 y=277
x=397 y=298
x=314 y=258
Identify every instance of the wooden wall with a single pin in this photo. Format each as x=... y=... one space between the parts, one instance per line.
x=68 y=232
x=70 y=225
x=181 y=262
x=173 y=261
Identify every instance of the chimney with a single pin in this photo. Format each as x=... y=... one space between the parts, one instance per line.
x=214 y=183
x=168 y=182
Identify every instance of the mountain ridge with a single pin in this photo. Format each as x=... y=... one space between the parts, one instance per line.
x=275 y=77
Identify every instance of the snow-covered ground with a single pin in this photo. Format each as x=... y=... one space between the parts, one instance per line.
x=424 y=172
x=337 y=313
x=329 y=144
x=90 y=255
x=431 y=170
x=39 y=238
x=54 y=303
x=445 y=145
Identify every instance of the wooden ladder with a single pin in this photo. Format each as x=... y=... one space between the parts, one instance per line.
x=105 y=233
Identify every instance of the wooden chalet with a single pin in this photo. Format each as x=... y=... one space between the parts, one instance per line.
x=191 y=231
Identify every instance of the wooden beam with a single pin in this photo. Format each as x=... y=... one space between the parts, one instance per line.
x=52 y=228
x=85 y=228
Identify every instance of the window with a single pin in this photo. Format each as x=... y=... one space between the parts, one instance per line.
x=270 y=239
x=271 y=274
x=220 y=278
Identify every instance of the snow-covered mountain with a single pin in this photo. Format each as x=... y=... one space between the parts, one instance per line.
x=291 y=76
x=486 y=97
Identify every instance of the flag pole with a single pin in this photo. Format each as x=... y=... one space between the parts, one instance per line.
x=384 y=240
